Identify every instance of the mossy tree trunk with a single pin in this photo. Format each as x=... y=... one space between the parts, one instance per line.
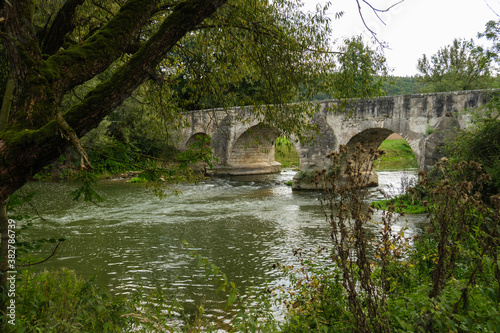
x=33 y=137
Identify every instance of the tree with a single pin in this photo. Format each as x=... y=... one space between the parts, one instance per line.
x=459 y=66
x=492 y=33
x=361 y=72
x=107 y=49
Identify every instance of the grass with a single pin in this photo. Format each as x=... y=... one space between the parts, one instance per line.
x=138 y=180
x=402 y=204
x=285 y=153
x=398 y=155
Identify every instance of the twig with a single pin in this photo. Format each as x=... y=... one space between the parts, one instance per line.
x=376 y=11
x=74 y=139
x=29 y=203
x=44 y=260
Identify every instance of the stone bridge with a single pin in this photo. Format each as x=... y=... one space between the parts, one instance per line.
x=244 y=146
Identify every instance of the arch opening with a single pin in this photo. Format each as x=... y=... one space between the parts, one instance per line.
x=198 y=139
x=398 y=156
x=399 y=153
x=198 y=152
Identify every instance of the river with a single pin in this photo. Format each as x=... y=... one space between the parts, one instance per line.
x=133 y=239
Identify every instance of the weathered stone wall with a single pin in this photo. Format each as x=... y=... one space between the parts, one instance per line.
x=254 y=146
x=242 y=146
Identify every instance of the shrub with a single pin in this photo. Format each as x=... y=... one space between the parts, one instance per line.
x=59 y=301
x=480 y=142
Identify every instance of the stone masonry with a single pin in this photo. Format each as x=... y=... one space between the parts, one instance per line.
x=243 y=145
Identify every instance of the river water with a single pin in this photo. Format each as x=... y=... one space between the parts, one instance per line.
x=133 y=239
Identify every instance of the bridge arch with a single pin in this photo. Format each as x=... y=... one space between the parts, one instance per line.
x=199 y=137
x=369 y=138
x=254 y=150
x=373 y=138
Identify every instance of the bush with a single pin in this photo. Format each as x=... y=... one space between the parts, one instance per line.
x=59 y=301
x=480 y=142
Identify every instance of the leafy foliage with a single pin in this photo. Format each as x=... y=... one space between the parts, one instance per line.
x=361 y=71
x=480 y=142
x=398 y=85
x=459 y=66
x=492 y=33
x=276 y=46
x=285 y=153
x=62 y=302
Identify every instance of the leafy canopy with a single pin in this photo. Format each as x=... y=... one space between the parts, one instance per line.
x=459 y=66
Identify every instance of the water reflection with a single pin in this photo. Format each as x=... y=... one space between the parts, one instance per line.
x=243 y=225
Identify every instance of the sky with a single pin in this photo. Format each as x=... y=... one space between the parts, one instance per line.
x=413 y=27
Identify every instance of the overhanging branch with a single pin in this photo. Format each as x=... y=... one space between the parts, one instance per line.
x=62 y=25
x=28 y=151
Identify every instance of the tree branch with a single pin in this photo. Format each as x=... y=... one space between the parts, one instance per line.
x=62 y=25
x=31 y=205
x=80 y=63
x=74 y=139
x=376 y=11
x=42 y=261
x=104 y=98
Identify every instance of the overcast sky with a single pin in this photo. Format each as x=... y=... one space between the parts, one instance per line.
x=414 y=27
